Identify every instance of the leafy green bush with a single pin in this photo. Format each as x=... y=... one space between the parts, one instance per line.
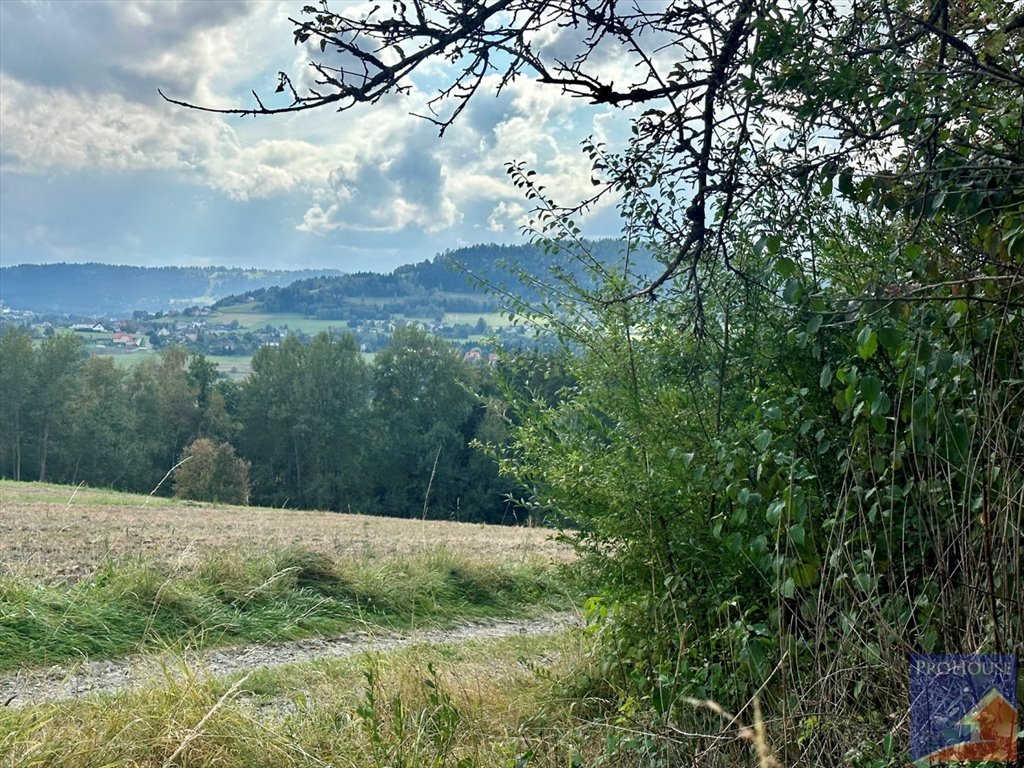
x=210 y=471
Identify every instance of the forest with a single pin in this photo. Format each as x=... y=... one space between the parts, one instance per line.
x=478 y=278
x=313 y=427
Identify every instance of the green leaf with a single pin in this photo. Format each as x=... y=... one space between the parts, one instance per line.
x=864 y=582
x=880 y=405
x=870 y=387
x=924 y=405
x=930 y=640
x=763 y=440
x=825 y=379
x=867 y=343
x=796 y=533
x=788 y=588
x=785 y=267
x=890 y=338
x=846 y=184
x=806 y=574
x=793 y=291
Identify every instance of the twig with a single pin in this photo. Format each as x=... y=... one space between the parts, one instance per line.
x=164 y=479
x=430 y=483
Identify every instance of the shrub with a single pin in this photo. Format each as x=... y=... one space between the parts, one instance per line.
x=210 y=471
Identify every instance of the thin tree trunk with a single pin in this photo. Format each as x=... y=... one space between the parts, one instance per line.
x=17 y=446
x=42 y=452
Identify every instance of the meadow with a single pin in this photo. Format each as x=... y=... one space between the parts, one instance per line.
x=92 y=573
x=89 y=574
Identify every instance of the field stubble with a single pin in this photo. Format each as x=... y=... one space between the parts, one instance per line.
x=56 y=533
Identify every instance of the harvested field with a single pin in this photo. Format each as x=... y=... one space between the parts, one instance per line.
x=55 y=532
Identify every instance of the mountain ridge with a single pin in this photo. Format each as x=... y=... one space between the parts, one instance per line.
x=93 y=288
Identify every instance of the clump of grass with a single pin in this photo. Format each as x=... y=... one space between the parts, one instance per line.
x=136 y=605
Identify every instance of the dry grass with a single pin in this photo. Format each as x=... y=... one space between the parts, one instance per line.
x=59 y=532
x=479 y=708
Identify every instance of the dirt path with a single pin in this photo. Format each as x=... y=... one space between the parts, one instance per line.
x=70 y=681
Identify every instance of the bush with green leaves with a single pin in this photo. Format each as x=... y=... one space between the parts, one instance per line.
x=210 y=471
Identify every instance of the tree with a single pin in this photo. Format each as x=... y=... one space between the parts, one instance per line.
x=303 y=416
x=209 y=471
x=100 y=447
x=16 y=379
x=422 y=404
x=58 y=362
x=174 y=401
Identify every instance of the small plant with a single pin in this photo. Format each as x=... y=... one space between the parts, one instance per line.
x=411 y=734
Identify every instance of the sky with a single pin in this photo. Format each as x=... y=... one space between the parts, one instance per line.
x=95 y=166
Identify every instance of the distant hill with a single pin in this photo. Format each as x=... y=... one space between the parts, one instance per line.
x=455 y=281
x=117 y=291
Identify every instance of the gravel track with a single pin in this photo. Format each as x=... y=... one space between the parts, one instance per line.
x=60 y=683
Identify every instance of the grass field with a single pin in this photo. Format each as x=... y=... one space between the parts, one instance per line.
x=92 y=573
x=249 y=320
x=481 y=704
x=235 y=367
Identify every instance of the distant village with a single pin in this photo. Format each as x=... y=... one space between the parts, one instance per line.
x=199 y=330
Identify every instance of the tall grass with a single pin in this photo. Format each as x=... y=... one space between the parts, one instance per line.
x=475 y=704
x=137 y=605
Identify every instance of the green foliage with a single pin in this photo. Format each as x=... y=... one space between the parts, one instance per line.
x=423 y=403
x=793 y=493
x=303 y=423
x=460 y=280
x=209 y=471
x=799 y=462
x=314 y=427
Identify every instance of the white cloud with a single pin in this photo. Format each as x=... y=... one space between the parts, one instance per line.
x=46 y=129
x=505 y=215
x=386 y=187
x=93 y=106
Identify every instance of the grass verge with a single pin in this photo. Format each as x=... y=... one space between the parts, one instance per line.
x=515 y=702
x=471 y=704
x=138 y=605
